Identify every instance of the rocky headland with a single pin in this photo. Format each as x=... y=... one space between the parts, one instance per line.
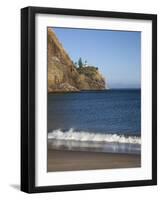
x=64 y=76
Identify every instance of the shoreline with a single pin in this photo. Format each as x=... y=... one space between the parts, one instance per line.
x=77 y=91
x=92 y=90
x=65 y=160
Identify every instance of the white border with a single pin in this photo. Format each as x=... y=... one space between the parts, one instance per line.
x=92 y=176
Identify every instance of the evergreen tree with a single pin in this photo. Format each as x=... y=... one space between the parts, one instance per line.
x=80 y=63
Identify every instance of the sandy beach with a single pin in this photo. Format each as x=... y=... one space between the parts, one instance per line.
x=63 y=160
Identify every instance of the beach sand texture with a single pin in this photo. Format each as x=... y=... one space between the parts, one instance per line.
x=65 y=160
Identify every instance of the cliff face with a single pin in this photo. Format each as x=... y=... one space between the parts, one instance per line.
x=90 y=79
x=63 y=75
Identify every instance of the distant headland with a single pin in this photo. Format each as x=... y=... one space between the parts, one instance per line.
x=66 y=76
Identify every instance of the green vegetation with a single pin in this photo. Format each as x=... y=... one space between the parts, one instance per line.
x=88 y=71
x=80 y=63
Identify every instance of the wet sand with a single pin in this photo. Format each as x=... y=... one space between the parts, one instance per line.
x=63 y=160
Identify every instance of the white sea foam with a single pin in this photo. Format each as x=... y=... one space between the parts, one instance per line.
x=72 y=135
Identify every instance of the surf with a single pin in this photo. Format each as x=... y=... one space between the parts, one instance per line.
x=73 y=135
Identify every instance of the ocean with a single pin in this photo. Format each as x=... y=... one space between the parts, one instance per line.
x=99 y=121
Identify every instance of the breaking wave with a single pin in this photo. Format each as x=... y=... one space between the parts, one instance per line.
x=73 y=135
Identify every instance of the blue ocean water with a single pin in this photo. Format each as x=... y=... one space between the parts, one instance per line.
x=108 y=120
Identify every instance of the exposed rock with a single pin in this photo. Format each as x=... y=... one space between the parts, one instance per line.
x=63 y=76
x=90 y=79
x=66 y=87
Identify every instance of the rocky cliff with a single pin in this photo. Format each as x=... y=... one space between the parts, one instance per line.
x=63 y=76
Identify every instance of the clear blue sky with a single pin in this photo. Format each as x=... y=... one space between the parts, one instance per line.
x=117 y=54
